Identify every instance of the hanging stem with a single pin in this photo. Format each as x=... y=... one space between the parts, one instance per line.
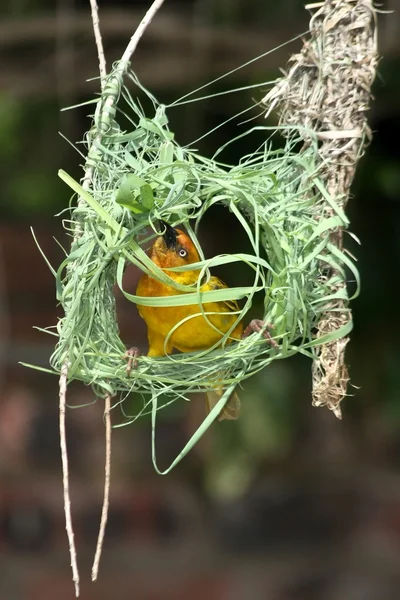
x=64 y=459
x=106 y=500
x=99 y=41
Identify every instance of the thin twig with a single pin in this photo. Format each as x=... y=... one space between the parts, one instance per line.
x=107 y=109
x=99 y=41
x=64 y=368
x=64 y=458
x=106 y=499
x=144 y=23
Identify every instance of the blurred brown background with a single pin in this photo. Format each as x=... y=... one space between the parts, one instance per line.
x=286 y=504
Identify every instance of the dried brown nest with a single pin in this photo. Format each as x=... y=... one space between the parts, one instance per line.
x=327 y=90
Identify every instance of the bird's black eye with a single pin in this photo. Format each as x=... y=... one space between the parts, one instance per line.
x=183 y=253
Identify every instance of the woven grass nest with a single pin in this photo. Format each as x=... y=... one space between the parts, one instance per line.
x=145 y=175
x=290 y=202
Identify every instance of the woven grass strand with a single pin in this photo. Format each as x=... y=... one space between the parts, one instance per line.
x=327 y=89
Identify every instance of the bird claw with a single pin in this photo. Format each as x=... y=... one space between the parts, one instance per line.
x=132 y=355
x=259 y=326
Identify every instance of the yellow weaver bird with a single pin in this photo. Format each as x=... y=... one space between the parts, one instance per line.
x=173 y=249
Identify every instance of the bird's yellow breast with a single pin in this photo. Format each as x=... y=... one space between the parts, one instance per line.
x=193 y=331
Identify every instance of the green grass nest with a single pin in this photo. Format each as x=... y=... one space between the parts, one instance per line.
x=144 y=175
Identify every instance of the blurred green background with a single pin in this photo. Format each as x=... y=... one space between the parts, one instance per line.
x=287 y=503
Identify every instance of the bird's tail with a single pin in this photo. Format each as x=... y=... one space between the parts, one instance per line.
x=231 y=409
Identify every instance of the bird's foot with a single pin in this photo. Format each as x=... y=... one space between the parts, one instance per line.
x=131 y=355
x=259 y=326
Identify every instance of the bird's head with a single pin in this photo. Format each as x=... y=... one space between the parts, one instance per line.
x=173 y=248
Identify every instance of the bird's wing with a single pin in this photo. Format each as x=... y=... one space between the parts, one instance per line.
x=216 y=284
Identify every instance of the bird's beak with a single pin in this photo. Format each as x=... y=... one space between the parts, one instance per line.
x=169 y=235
